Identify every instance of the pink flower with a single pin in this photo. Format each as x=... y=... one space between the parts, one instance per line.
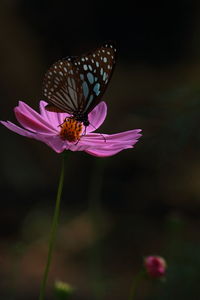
x=60 y=134
x=155 y=266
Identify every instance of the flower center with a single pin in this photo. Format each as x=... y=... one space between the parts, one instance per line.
x=71 y=130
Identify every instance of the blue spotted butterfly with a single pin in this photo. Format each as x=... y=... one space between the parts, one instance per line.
x=75 y=85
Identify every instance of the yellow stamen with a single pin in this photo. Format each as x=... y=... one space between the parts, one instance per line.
x=71 y=130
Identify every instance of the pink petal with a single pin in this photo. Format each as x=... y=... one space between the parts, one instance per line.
x=18 y=129
x=106 y=145
x=52 y=117
x=97 y=116
x=104 y=140
x=125 y=135
x=31 y=119
x=78 y=147
x=32 y=124
x=105 y=152
x=102 y=147
x=53 y=141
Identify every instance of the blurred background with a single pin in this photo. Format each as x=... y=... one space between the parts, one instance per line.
x=116 y=210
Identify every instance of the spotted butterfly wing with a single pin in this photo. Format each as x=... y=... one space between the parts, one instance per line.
x=76 y=84
x=95 y=70
x=62 y=87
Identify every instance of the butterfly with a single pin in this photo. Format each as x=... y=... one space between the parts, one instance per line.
x=76 y=84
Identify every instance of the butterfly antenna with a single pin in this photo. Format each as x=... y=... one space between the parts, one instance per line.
x=60 y=125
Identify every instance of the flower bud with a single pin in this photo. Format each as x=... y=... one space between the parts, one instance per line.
x=62 y=290
x=155 y=266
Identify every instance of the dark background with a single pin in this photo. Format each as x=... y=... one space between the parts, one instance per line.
x=116 y=210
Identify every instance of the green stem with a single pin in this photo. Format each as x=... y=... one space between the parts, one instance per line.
x=53 y=232
x=135 y=284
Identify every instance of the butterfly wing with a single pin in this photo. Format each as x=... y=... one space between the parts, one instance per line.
x=77 y=84
x=95 y=71
x=62 y=87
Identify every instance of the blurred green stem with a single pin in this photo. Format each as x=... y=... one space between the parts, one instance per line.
x=53 y=231
x=135 y=284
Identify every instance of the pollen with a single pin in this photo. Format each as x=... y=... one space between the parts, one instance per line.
x=71 y=130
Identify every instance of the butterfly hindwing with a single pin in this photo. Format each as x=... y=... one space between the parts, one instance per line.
x=62 y=86
x=77 y=84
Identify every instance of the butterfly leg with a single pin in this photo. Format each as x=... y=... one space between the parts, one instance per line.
x=95 y=129
x=103 y=137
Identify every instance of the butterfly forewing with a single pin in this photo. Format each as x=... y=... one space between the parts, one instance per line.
x=95 y=70
x=77 y=84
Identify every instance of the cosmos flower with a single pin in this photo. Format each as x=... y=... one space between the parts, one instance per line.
x=60 y=131
x=155 y=266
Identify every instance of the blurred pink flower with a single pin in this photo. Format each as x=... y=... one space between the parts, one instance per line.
x=49 y=127
x=155 y=266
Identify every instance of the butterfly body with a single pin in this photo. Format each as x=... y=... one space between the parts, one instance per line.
x=75 y=85
x=80 y=117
